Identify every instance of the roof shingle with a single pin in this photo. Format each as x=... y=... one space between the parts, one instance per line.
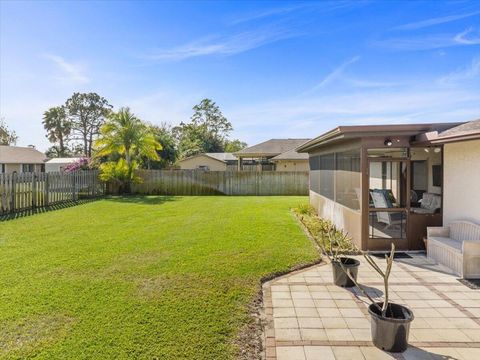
x=21 y=155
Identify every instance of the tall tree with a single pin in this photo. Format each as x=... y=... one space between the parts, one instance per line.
x=234 y=145
x=58 y=127
x=87 y=112
x=7 y=136
x=127 y=139
x=168 y=153
x=207 y=131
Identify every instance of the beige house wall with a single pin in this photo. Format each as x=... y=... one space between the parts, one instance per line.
x=202 y=160
x=292 y=165
x=461 y=181
x=344 y=218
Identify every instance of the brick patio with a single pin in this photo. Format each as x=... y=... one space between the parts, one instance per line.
x=309 y=318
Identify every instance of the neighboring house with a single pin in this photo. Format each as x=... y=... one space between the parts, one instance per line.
x=58 y=164
x=387 y=183
x=209 y=161
x=21 y=159
x=262 y=156
x=291 y=161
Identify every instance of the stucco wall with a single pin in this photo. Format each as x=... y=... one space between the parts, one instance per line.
x=462 y=181
x=344 y=218
x=54 y=167
x=298 y=165
x=196 y=162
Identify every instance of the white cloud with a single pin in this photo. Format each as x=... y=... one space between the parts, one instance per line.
x=463 y=39
x=429 y=42
x=435 y=21
x=228 y=45
x=309 y=116
x=464 y=74
x=335 y=74
x=266 y=13
x=70 y=71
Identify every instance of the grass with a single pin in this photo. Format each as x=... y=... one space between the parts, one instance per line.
x=141 y=277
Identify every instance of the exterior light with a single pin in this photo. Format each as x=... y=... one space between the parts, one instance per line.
x=427 y=150
x=388 y=142
x=437 y=150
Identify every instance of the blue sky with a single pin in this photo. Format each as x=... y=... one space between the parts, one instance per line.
x=277 y=69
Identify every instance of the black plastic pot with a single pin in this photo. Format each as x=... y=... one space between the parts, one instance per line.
x=390 y=333
x=340 y=278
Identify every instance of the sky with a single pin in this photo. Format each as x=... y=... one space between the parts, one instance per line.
x=276 y=69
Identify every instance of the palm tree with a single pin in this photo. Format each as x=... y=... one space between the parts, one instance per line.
x=58 y=127
x=126 y=138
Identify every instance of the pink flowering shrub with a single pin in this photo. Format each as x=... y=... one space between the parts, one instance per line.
x=81 y=164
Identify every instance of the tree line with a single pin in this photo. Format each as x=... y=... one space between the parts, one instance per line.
x=73 y=127
x=119 y=143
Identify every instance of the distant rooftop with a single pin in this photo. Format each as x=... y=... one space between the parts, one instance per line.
x=64 y=160
x=20 y=155
x=222 y=156
x=272 y=147
x=291 y=155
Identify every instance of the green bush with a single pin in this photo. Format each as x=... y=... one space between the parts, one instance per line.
x=323 y=231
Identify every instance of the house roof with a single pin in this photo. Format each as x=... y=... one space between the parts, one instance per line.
x=466 y=131
x=291 y=155
x=223 y=157
x=354 y=132
x=272 y=147
x=64 y=160
x=20 y=155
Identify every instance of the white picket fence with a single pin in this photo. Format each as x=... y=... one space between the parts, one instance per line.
x=23 y=191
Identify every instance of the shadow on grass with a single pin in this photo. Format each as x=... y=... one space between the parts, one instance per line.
x=40 y=210
x=143 y=199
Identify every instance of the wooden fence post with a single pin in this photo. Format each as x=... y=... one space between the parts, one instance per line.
x=13 y=192
x=34 y=190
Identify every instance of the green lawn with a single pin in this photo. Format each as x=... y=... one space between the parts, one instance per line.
x=142 y=277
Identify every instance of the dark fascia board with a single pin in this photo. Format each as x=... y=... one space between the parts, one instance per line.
x=354 y=132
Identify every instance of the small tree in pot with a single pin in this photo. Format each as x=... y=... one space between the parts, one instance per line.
x=344 y=268
x=390 y=322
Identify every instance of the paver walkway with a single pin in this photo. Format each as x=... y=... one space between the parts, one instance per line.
x=309 y=318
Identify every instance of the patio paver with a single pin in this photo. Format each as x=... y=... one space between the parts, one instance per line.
x=310 y=318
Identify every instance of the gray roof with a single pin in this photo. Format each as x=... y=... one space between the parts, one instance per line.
x=468 y=130
x=272 y=147
x=222 y=156
x=21 y=155
x=291 y=155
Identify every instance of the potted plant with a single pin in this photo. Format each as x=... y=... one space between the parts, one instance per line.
x=344 y=268
x=390 y=323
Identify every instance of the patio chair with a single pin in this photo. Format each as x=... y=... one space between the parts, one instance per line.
x=381 y=200
x=429 y=204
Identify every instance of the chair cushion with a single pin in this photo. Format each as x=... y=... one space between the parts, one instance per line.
x=431 y=201
x=447 y=242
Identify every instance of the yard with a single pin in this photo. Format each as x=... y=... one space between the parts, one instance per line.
x=141 y=277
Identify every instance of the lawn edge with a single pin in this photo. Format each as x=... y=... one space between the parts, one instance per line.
x=251 y=339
